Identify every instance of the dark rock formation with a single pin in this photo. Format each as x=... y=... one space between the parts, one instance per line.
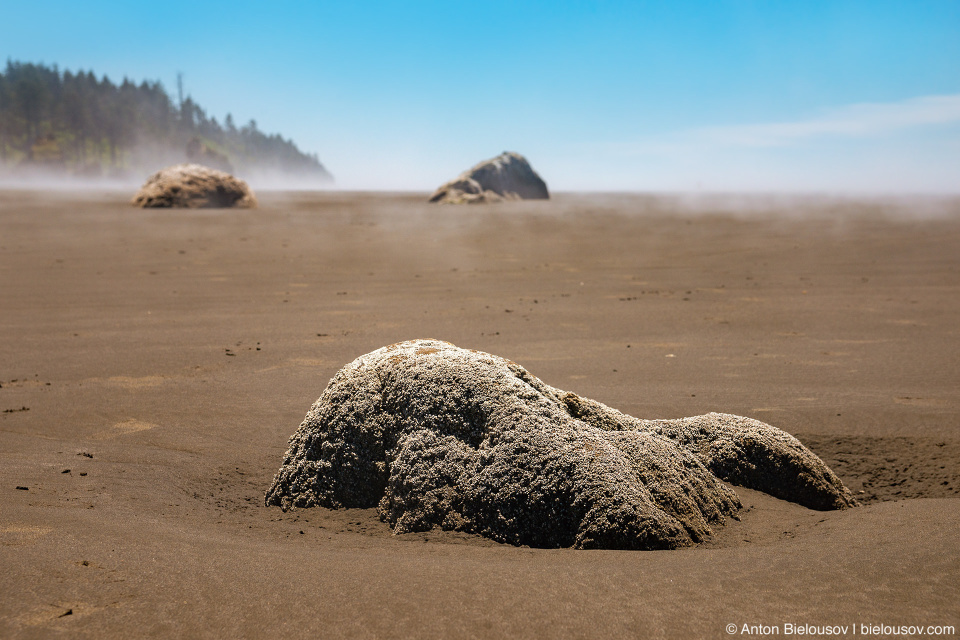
x=438 y=436
x=194 y=187
x=507 y=177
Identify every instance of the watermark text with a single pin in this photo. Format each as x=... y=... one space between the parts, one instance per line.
x=826 y=630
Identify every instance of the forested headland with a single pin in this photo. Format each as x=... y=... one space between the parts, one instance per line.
x=78 y=125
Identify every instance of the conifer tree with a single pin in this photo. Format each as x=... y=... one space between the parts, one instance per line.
x=95 y=125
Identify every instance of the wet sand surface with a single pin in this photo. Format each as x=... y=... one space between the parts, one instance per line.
x=154 y=363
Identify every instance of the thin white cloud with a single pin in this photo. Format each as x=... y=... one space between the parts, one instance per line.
x=857 y=120
x=853 y=120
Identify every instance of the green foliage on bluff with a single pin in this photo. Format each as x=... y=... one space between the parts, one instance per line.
x=77 y=124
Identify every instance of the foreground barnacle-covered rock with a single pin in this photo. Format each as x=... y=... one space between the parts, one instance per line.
x=194 y=186
x=438 y=436
x=507 y=177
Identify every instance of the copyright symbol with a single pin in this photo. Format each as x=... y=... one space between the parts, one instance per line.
x=731 y=628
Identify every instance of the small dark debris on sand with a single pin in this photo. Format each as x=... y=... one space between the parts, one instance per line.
x=438 y=436
x=899 y=468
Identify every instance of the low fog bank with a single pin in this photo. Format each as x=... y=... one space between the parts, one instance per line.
x=760 y=204
x=47 y=180
x=277 y=189
x=133 y=166
x=402 y=207
x=55 y=179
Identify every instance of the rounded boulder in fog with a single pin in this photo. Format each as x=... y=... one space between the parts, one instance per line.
x=438 y=436
x=507 y=177
x=193 y=186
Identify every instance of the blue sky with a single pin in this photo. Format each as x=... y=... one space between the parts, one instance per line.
x=806 y=95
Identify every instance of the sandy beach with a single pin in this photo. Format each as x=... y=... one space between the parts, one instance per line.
x=153 y=364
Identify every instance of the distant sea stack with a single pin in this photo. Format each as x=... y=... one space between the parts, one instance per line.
x=507 y=177
x=193 y=186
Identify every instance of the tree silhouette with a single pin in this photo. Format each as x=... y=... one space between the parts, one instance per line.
x=94 y=126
